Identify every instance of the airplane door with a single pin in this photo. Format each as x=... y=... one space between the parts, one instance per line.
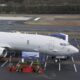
x=50 y=46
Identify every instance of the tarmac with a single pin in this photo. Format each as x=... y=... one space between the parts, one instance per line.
x=67 y=70
x=40 y=23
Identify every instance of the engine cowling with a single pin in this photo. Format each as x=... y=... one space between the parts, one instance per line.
x=3 y=52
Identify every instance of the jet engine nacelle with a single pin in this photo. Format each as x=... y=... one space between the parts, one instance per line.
x=3 y=52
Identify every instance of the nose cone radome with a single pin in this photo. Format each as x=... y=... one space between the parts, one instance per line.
x=75 y=50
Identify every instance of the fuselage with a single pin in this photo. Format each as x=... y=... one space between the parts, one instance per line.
x=34 y=42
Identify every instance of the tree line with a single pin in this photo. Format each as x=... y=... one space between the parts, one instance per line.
x=38 y=7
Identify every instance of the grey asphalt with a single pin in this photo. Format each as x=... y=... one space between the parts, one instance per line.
x=52 y=73
x=20 y=26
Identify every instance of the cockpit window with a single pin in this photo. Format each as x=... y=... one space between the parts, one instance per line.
x=64 y=44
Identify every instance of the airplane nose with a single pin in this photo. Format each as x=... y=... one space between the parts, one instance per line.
x=75 y=50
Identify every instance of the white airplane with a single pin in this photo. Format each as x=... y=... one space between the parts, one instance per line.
x=34 y=42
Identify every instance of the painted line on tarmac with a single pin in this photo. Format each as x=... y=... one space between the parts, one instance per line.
x=4 y=63
x=45 y=65
x=15 y=18
x=74 y=64
x=59 y=65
